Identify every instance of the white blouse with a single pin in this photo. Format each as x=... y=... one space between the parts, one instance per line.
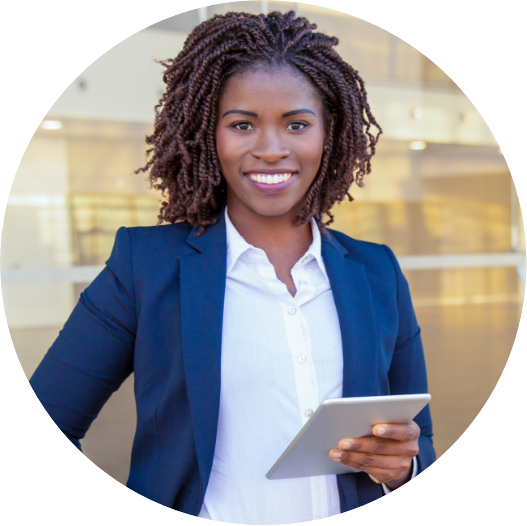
x=281 y=357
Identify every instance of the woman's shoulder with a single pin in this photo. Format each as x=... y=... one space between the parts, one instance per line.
x=153 y=240
x=372 y=255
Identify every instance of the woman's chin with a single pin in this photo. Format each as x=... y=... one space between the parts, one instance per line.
x=278 y=209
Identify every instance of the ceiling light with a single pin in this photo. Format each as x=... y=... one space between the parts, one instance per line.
x=51 y=125
x=417 y=145
x=418 y=113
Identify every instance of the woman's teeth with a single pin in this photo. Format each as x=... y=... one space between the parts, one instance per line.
x=270 y=179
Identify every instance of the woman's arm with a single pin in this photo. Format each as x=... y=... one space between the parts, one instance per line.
x=388 y=456
x=93 y=353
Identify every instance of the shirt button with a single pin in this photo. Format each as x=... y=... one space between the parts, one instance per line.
x=302 y=358
x=309 y=412
x=303 y=282
x=291 y=310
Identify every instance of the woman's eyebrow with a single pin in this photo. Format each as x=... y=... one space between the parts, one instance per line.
x=296 y=112
x=242 y=112
x=255 y=115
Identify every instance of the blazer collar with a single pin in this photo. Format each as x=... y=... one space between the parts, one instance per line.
x=214 y=235
x=332 y=241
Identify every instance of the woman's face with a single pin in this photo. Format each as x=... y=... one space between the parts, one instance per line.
x=270 y=139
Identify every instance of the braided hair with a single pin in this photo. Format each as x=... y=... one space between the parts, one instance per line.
x=183 y=162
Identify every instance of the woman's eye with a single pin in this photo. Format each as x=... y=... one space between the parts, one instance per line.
x=242 y=126
x=296 y=126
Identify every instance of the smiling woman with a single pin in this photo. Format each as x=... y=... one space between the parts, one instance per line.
x=244 y=312
x=281 y=139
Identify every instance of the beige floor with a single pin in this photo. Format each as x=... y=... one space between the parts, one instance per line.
x=466 y=348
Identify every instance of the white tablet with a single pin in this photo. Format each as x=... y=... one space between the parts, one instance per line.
x=308 y=454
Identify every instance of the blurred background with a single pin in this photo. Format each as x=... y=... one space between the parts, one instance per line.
x=440 y=194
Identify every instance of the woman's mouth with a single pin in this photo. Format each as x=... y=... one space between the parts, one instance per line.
x=270 y=179
x=271 y=184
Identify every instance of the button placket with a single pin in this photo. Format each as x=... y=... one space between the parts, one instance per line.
x=319 y=495
x=277 y=352
x=299 y=346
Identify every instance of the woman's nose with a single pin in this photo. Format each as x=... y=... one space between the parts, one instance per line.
x=270 y=148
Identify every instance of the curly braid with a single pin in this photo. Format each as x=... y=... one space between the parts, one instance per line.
x=183 y=161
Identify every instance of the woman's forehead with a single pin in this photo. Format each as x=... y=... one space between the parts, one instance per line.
x=264 y=86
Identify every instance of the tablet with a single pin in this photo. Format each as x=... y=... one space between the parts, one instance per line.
x=308 y=454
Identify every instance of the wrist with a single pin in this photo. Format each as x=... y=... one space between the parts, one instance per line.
x=403 y=479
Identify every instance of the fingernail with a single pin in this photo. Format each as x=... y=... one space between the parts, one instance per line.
x=337 y=455
x=380 y=431
x=345 y=445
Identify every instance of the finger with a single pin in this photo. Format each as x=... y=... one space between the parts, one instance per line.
x=401 y=432
x=360 y=460
x=379 y=446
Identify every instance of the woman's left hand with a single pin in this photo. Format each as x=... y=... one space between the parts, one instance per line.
x=386 y=456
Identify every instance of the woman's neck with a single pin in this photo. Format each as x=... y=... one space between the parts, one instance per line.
x=283 y=242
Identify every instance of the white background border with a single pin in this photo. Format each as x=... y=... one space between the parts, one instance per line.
x=45 y=45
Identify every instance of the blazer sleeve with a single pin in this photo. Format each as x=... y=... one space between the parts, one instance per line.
x=407 y=373
x=93 y=353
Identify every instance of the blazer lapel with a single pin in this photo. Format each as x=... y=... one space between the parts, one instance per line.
x=202 y=280
x=352 y=294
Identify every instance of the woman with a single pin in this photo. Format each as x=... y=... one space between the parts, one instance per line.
x=244 y=313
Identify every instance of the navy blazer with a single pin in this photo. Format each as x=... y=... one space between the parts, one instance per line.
x=156 y=310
